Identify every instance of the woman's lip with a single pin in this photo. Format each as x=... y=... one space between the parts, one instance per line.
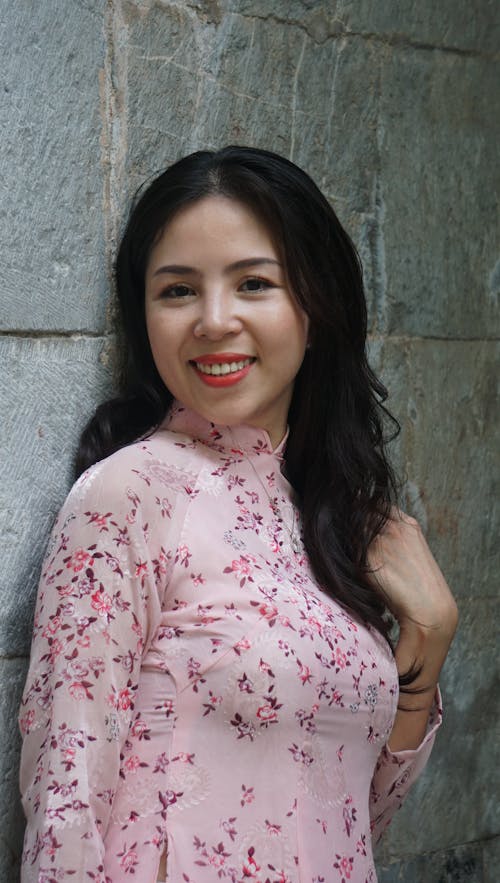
x=221 y=358
x=222 y=380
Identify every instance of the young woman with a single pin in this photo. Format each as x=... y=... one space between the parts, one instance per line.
x=212 y=694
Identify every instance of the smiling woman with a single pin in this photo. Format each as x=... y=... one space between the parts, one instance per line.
x=233 y=291
x=212 y=692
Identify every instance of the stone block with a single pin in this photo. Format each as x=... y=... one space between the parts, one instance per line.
x=212 y=75
x=460 y=785
x=451 y=444
x=438 y=133
x=52 y=213
x=163 y=57
x=443 y=393
x=12 y=677
x=194 y=81
x=48 y=390
x=469 y=676
x=335 y=112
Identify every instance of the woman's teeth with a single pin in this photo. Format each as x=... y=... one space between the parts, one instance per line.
x=219 y=368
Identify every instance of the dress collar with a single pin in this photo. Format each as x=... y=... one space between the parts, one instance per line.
x=223 y=438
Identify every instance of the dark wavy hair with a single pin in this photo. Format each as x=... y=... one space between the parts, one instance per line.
x=335 y=455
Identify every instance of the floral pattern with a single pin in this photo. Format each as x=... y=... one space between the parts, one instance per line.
x=192 y=688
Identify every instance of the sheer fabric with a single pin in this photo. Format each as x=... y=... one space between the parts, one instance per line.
x=192 y=687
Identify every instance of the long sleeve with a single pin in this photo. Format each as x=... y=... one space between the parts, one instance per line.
x=98 y=606
x=396 y=772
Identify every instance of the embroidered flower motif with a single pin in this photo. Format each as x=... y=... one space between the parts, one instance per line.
x=267 y=713
x=101 y=602
x=78 y=691
x=128 y=859
x=344 y=866
x=132 y=763
x=242 y=568
x=78 y=560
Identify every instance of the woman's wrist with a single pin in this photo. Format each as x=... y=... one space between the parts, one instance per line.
x=425 y=647
x=422 y=651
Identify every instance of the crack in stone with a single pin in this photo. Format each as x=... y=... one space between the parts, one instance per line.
x=107 y=336
x=331 y=114
x=341 y=30
x=55 y=334
x=114 y=127
x=294 y=96
x=415 y=338
x=404 y=41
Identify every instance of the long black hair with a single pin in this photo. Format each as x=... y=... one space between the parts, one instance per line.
x=335 y=455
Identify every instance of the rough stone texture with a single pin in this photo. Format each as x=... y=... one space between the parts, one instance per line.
x=463 y=864
x=51 y=175
x=48 y=388
x=451 y=24
x=451 y=444
x=220 y=99
x=442 y=276
x=454 y=795
x=393 y=109
x=447 y=449
x=454 y=497
x=491 y=860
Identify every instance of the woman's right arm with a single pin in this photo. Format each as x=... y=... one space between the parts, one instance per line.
x=98 y=605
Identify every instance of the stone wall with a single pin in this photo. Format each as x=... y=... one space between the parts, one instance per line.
x=393 y=107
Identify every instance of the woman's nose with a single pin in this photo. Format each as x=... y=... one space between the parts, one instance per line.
x=218 y=316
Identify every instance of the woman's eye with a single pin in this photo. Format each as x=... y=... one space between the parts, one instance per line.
x=176 y=292
x=255 y=284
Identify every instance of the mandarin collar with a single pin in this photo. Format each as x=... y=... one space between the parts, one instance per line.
x=242 y=438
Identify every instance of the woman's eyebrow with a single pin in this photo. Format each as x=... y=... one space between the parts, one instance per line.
x=251 y=262
x=183 y=270
x=177 y=269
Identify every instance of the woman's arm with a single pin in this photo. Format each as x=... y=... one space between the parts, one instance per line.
x=408 y=577
x=98 y=605
x=428 y=653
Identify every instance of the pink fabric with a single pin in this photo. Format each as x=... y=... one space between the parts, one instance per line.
x=191 y=685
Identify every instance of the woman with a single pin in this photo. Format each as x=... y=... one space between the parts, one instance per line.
x=212 y=694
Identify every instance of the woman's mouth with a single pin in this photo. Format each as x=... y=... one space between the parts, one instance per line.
x=222 y=372
x=217 y=369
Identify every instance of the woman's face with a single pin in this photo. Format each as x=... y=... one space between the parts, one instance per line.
x=226 y=334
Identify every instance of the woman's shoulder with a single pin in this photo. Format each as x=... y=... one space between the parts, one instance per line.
x=162 y=464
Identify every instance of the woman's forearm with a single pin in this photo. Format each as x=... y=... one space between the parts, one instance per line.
x=425 y=650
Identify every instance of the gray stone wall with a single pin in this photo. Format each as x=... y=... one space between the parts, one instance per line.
x=393 y=107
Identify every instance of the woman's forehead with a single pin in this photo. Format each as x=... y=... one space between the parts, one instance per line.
x=215 y=224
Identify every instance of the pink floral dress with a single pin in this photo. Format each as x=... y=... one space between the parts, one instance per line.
x=192 y=688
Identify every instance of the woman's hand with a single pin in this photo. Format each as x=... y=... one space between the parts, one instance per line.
x=408 y=577
x=405 y=572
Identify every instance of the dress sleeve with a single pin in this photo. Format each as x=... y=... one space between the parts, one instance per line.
x=98 y=606
x=396 y=772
